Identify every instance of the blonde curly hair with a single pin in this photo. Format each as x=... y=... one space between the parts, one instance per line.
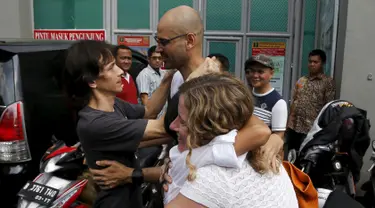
x=217 y=103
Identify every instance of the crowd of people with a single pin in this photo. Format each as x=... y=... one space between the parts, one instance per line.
x=229 y=135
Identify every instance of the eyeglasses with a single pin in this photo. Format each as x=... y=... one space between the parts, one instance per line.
x=163 y=41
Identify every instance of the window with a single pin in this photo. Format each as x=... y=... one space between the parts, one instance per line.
x=223 y=15
x=133 y=14
x=308 y=34
x=7 y=94
x=228 y=49
x=165 y=5
x=68 y=14
x=269 y=15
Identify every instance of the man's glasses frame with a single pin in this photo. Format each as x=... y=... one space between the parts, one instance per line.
x=164 y=42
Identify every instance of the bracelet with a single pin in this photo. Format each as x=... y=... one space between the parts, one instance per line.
x=137 y=176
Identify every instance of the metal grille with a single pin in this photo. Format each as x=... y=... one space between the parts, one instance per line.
x=223 y=15
x=165 y=5
x=269 y=15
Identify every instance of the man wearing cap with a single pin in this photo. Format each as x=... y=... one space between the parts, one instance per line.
x=269 y=105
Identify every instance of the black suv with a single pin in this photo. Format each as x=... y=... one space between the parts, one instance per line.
x=33 y=108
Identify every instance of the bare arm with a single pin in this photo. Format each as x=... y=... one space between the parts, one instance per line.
x=253 y=135
x=183 y=202
x=152 y=175
x=280 y=134
x=115 y=173
x=159 y=97
x=154 y=142
x=144 y=98
x=155 y=130
x=208 y=66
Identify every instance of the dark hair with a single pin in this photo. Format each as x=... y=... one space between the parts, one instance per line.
x=84 y=61
x=248 y=63
x=320 y=53
x=151 y=50
x=223 y=60
x=118 y=47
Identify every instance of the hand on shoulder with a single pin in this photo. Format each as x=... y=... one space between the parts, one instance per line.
x=208 y=66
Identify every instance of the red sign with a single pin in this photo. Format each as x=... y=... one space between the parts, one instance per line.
x=269 y=48
x=69 y=34
x=143 y=41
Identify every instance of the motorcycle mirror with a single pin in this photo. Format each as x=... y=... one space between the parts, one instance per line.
x=54 y=140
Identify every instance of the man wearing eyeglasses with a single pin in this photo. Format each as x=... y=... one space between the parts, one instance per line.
x=180 y=43
x=179 y=36
x=150 y=77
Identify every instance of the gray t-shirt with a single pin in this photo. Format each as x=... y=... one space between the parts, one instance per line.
x=113 y=136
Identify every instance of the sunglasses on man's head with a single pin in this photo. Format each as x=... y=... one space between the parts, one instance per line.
x=163 y=41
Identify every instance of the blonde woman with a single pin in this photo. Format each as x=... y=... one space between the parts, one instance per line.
x=212 y=120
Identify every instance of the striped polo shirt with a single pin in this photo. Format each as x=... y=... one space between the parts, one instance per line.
x=272 y=109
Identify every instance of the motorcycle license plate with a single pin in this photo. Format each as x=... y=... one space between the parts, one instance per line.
x=38 y=193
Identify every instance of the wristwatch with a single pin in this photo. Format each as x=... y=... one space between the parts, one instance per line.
x=137 y=176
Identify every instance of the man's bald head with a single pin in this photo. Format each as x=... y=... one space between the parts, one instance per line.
x=180 y=38
x=182 y=20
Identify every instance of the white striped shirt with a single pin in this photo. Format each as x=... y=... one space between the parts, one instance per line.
x=272 y=109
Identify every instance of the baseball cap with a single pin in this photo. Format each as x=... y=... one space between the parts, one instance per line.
x=264 y=60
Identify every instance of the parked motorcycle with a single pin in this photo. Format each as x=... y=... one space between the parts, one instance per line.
x=368 y=199
x=65 y=182
x=332 y=152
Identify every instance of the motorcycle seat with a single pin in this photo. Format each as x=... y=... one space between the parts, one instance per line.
x=148 y=156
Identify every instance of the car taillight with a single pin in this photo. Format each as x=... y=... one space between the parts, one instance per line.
x=13 y=140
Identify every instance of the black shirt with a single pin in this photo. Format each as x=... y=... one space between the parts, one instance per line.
x=171 y=114
x=113 y=136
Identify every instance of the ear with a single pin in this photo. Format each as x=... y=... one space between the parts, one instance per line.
x=92 y=84
x=191 y=40
x=272 y=72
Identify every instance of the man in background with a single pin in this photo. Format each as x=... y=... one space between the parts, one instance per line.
x=123 y=55
x=310 y=94
x=221 y=60
x=269 y=105
x=150 y=77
